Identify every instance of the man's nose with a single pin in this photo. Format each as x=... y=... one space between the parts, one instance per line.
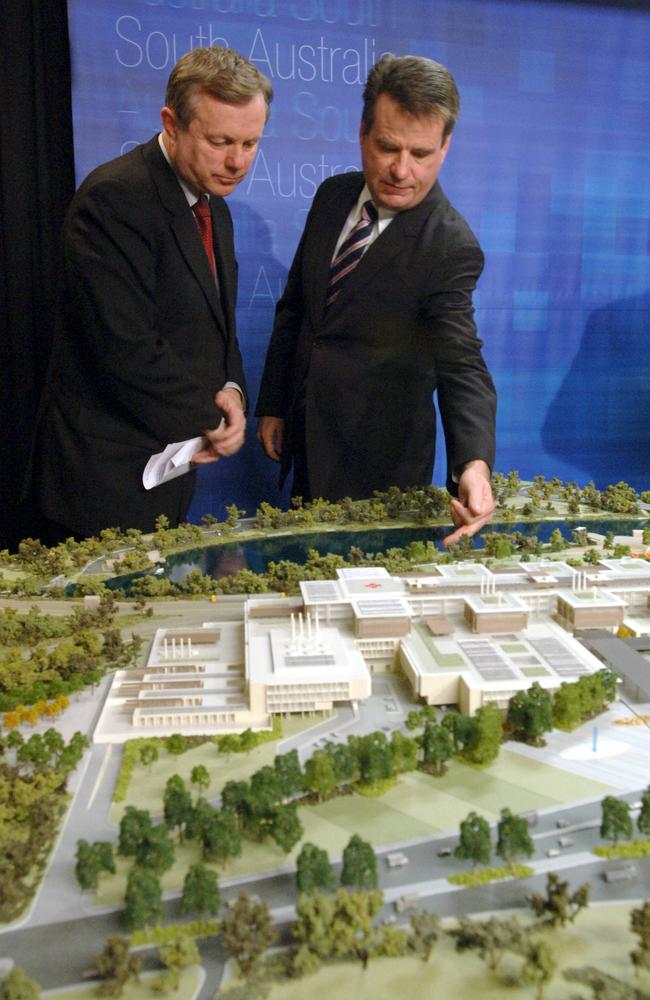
x=399 y=165
x=236 y=158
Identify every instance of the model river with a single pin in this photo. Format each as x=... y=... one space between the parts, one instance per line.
x=256 y=554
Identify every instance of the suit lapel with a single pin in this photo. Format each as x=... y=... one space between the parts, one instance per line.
x=332 y=218
x=183 y=226
x=389 y=245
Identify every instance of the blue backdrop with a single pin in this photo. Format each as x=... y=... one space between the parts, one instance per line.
x=550 y=164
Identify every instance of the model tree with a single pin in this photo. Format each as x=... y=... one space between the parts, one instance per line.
x=200 y=891
x=616 y=822
x=200 y=777
x=539 y=966
x=352 y=923
x=143 y=899
x=359 y=869
x=513 y=838
x=219 y=836
x=530 y=715
x=134 y=826
x=559 y=904
x=640 y=925
x=475 y=842
x=425 y=931
x=567 y=711
x=17 y=985
x=320 y=777
x=313 y=870
x=148 y=754
x=116 y=965
x=286 y=828
x=248 y=931
x=404 y=752
x=177 y=804
x=155 y=851
x=486 y=739
x=176 y=956
x=490 y=938
x=437 y=747
x=289 y=772
x=312 y=931
x=643 y=819
x=92 y=860
x=374 y=757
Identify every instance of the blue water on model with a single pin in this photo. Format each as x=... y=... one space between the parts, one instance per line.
x=256 y=554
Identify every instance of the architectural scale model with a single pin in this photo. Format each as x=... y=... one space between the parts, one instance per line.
x=350 y=656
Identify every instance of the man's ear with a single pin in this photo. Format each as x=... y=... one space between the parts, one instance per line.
x=169 y=123
x=445 y=146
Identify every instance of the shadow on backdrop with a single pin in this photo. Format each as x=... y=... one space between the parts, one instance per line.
x=600 y=418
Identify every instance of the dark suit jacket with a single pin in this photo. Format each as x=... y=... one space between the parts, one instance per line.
x=145 y=341
x=401 y=328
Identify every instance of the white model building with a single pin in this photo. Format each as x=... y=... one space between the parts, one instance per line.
x=461 y=635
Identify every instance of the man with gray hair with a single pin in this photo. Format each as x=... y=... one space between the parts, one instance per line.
x=146 y=354
x=377 y=315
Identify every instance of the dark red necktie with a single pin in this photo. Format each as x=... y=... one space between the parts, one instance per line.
x=201 y=210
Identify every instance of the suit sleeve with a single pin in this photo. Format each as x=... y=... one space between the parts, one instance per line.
x=111 y=254
x=466 y=393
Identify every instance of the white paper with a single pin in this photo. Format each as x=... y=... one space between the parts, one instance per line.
x=173 y=461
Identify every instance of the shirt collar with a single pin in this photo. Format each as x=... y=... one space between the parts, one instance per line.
x=385 y=215
x=191 y=197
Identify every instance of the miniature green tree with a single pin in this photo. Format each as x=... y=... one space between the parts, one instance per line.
x=437 y=747
x=177 y=804
x=530 y=715
x=643 y=819
x=248 y=931
x=359 y=869
x=143 y=899
x=200 y=776
x=374 y=757
x=200 y=891
x=566 y=706
x=314 y=872
x=87 y=867
x=485 y=736
x=475 y=843
x=404 y=752
x=320 y=777
x=352 y=931
x=155 y=851
x=616 y=822
x=134 y=825
x=286 y=828
x=513 y=838
x=289 y=772
x=219 y=836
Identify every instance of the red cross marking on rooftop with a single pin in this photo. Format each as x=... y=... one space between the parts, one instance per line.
x=373 y=586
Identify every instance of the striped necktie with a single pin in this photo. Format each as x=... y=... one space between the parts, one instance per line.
x=351 y=251
x=203 y=217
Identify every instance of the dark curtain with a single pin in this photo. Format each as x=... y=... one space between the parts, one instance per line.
x=36 y=185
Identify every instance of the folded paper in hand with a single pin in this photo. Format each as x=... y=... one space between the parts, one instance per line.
x=173 y=461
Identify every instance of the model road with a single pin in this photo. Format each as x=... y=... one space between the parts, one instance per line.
x=57 y=954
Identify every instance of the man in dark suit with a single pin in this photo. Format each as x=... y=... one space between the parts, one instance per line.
x=360 y=343
x=146 y=353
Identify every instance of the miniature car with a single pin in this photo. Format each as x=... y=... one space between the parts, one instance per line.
x=622 y=874
x=565 y=842
x=444 y=852
x=562 y=824
x=397 y=859
x=552 y=852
